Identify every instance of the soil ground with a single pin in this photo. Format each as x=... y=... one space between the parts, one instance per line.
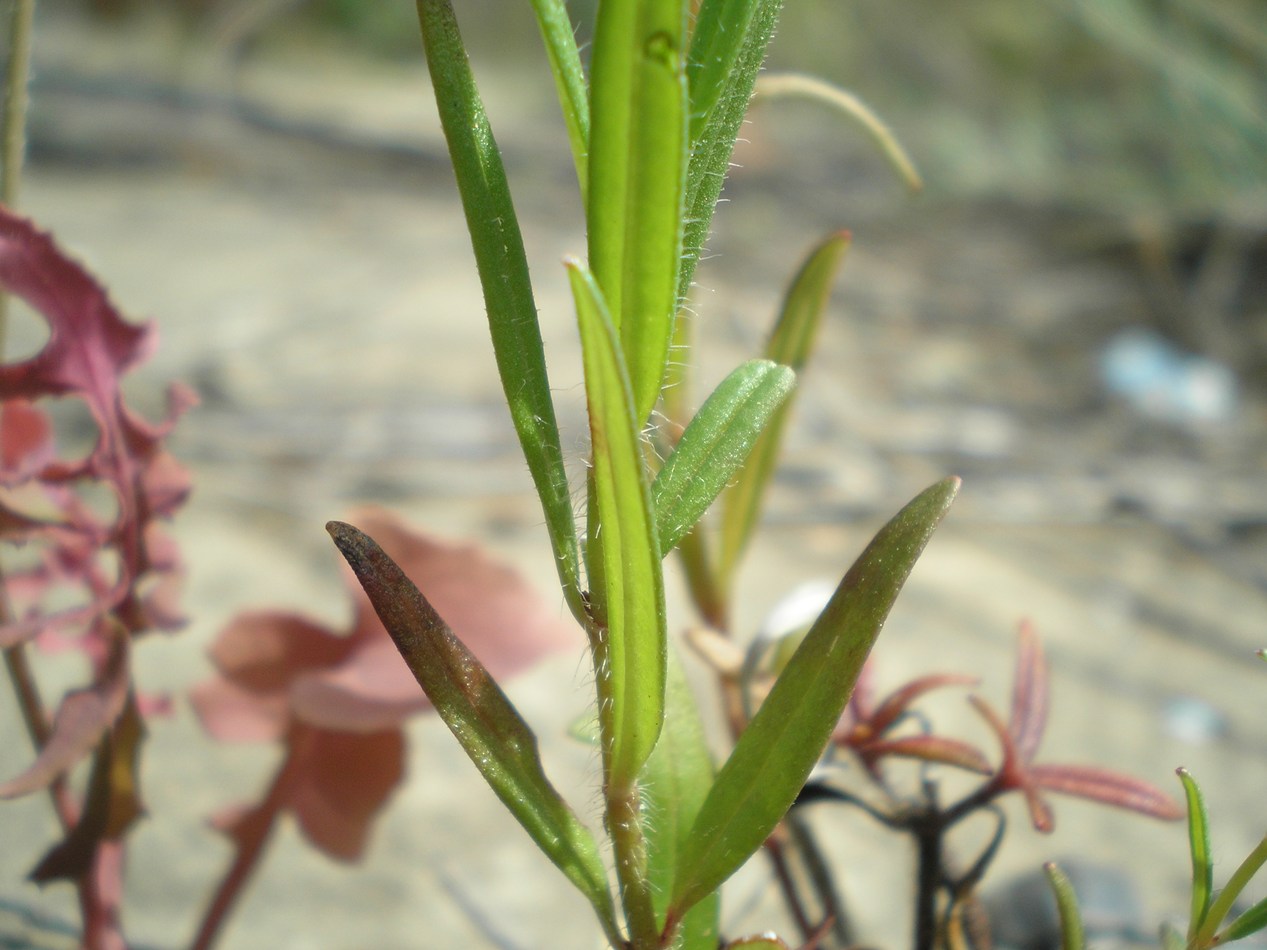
x=306 y=263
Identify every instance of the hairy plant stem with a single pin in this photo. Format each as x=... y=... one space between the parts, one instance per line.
x=624 y=820
x=250 y=835
x=13 y=131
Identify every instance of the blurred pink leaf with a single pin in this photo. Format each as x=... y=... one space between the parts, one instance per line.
x=258 y=656
x=350 y=779
x=82 y=719
x=334 y=783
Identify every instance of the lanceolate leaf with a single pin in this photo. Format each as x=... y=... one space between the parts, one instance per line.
x=790 y=344
x=478 y=713
x=675 y=782
x=775 y=754
x=630 y=605
x=711 y=148
x=569 y=80
x=638 y=152
x=715 y=445
x=503 y=270
x=1250 y=922
x=1199 y=845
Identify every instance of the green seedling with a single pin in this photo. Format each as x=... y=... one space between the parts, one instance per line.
x=651 y=124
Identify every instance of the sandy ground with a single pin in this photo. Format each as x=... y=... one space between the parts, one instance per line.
x=310 y=276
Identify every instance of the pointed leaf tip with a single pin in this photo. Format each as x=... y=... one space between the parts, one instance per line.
x=478 y=713
x=774 y=755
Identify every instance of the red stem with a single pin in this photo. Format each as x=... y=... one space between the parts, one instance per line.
x=251 y=834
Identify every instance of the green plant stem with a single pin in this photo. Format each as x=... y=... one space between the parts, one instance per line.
x=14 y=123
x=13 y=133
x=250 y=836
x=16 y=98
x=624 y=820
x=1227 y=897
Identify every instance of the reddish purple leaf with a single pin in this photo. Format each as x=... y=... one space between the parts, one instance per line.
x=1029 y=694
x=1106 y=787
x=372 y=690
x=1021 y=738
x=90 y=348
x=929 y=749
x=899 y=701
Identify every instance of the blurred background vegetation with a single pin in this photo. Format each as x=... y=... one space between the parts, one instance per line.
x=1138 y=106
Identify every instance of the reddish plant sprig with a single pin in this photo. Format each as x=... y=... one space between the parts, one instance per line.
x=125 y=572
x=866 y=726
x=1019 y=740
x=866 y=730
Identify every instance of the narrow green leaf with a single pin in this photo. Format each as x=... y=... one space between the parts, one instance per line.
x=569 y=80
x=1072 y=936
x=472 y=705
x=775 y=754
x=721 y=26
x=1250 y=922
x=790 y=344
x=1171 y=939
x=711 y=147
x=674 y=783
x=1199 y=846
x=503 y=270
x=638 y=153
x=630 y=606
x=715 y=445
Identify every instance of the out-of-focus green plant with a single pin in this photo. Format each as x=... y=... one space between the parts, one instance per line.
x=1207 y=921
x=1122 y=106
